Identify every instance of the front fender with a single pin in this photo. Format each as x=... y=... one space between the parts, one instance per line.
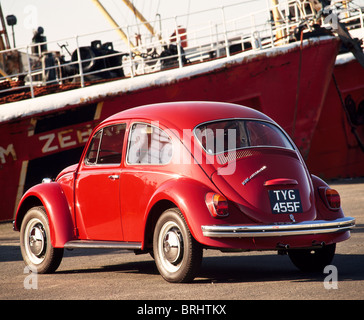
x=189 y=196
x=51 y=196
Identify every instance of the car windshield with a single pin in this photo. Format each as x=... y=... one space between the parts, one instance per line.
x=228 y=135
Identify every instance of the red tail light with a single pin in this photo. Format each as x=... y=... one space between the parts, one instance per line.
x=217 y=204
x=331 y=198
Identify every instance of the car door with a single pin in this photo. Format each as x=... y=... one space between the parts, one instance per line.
x=149 y=151
x=97 y=185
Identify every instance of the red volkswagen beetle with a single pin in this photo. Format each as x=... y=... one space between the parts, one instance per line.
x=176 y=178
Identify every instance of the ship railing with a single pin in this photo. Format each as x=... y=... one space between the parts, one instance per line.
x=224 y=37
x=346 y=12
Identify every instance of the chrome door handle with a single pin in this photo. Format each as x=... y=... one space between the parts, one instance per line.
x=114 y=177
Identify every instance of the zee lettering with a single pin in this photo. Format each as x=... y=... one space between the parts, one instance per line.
x=64 y=139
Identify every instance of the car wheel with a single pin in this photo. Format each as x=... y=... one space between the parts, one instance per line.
x=177 y=254
x=35 y=242
x=312 y=259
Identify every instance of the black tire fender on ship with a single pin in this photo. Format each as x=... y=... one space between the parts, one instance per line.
x=86 y=54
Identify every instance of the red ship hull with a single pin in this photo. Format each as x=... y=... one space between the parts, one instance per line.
x=337 y=147
x=289 y=84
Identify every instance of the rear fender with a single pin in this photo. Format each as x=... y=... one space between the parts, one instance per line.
x=51 y=196
x=323 y=212
x=189 y=196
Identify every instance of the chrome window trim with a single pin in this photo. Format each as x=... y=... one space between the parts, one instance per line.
x=95 y=165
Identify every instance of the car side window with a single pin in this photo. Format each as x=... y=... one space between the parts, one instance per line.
x=106 y=146
x=148 y=145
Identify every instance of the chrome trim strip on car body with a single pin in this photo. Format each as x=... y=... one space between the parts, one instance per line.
x=92 y=244
x=277 y=230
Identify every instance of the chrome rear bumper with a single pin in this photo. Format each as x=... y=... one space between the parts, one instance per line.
x=278 y=230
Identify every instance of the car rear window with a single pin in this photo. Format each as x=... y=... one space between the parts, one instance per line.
x=228 y=135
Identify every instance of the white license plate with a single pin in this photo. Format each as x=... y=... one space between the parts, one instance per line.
x=285 y=201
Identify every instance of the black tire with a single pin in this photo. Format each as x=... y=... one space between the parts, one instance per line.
x=35 y=242
x=312 y=260
x=177 y=254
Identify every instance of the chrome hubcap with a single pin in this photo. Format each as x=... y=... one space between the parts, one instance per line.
x=35 y=240
x=172 y=245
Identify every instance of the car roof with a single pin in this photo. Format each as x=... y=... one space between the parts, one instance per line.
x=187 y=114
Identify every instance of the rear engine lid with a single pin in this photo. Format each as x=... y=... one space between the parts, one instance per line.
x=269 y=186
x=257 y=166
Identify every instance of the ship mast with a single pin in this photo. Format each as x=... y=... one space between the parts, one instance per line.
x=137 y=13
x=3 y=32
x=277 y=17
x=113 y=23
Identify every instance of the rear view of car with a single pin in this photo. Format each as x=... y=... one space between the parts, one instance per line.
x=263 y=176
